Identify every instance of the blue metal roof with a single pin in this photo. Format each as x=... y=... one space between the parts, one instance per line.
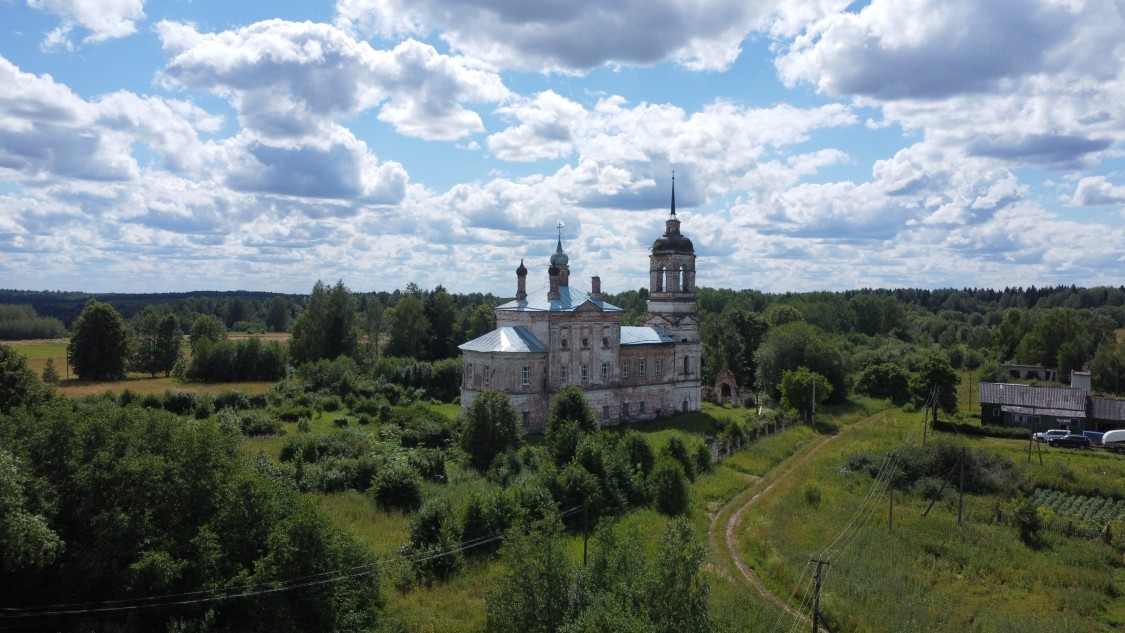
x=633 y=335
x=506 y=339
x=569 y=300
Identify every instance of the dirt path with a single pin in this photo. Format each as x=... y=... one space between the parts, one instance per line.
x=730 y=515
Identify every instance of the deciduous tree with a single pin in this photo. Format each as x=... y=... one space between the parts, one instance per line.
x=18 y=384
x=206 y=328
x=99 y=345
x=490 y=429
x=327 y=328
x=798 y=387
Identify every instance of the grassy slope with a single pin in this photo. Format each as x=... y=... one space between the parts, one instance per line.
x=930 y=574
x=459 y=605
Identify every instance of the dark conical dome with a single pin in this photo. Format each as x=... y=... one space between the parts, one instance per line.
x=522 y=270
x=672 y=241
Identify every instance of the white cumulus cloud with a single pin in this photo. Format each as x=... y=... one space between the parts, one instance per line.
x=104 y=19
x=572 y=36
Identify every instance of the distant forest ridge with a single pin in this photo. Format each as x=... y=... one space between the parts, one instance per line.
x=234 y=306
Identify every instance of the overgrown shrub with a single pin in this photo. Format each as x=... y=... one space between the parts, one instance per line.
x=398 y=486
x=670 y=487
x=434 y=539
x=812 y=495
x=375 y=406
x=430 y=463
x=256 y=423
x=293 y=413
x=574 y=486
x=488 y=515
x=1025 y=515
x=235 y=361
x=340 y=376
x=677 y=450
x=349 y=444
x=179 y=402
x=637 y=452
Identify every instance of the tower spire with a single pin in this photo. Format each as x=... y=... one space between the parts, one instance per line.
x=673 y=193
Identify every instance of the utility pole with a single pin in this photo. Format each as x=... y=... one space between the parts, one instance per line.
x=816 y=593
x=961 y=496
x=585 y=533
x=814 y=401
x=891 y=499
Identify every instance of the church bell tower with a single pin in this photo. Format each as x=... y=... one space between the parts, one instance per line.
x=671 y=306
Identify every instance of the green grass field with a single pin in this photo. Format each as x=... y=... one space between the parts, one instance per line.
x=930 y=574
x=37 y=353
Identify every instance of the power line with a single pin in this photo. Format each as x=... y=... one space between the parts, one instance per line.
x=134 y=605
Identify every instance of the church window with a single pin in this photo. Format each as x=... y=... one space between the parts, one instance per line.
x=469 y=373
x=487 y=376
x=585 y=343
x=605 y=341
x=624 y=369
x=658 y=367
x=526 y=375
x=687 y=364
x=641 y=368
x=605 y=372
x=585 y=372
x=563 y=343
x=562 y=374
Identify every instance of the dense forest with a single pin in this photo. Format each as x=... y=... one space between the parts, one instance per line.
x=149 y=511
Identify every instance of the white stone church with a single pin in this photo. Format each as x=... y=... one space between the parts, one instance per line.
x=560 y=334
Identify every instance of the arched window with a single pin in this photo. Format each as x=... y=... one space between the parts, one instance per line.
x=659 y=280
x=687 y=364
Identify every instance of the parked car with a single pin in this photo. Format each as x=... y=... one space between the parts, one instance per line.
x=1095 y=437
x=1072 y=440
x=1047 y=436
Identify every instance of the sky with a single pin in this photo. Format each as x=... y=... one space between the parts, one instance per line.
x=159 y=146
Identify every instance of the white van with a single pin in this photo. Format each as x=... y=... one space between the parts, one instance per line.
x=1114 y=440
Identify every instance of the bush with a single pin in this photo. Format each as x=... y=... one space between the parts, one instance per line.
x=179 y=402
x=255 y=423
x=430 y=463
x=398 y=486
x=434 y=539
x=340 y=422
x=375 y=406
x=636 y=452
x=487 y=515
x=574 y=486
x=294 y=413
x=1025 y=515
x=702 y=461
x=670 y=487
x=330 y=403
x=812 y=495
x=677 y=450
x=930 y=488
x=204 y=406
x=234 y=361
